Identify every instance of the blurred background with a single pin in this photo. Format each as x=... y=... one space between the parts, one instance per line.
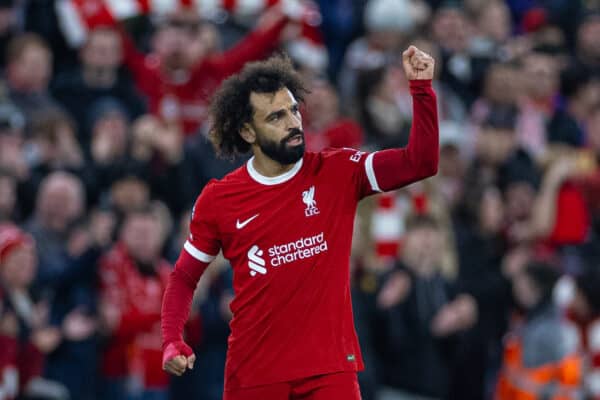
x=482 y=282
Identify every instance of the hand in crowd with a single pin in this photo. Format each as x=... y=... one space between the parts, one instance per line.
x=46 y=339
x=394 y=290
x=151 y=135
x=454 y=317
x=78 y=326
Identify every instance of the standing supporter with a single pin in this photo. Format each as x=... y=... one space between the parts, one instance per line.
x=179 y=84
x=584 y=311
x=133 y=277
x=65 y=278
x=422 y=317
x=541 y=353
x=34 y=335
x=99 y=76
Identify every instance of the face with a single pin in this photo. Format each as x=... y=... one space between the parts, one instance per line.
x=60 y=202
x=33 y=69
x=422 y=249
x=276 y=126
x=519 y=200
x=103 y=50
x=587 y=39
x=19 y=266
x=142 y=237
x=541 y=73
x=129 y=194
x=495 y=21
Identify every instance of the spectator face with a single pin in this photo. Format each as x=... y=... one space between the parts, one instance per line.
x=451 y=29
x=31 y=72
x=519 y=197
x=588 y=44
x=103 y=50
x=178 y=42
x=494 y=21
x=8 y=196
x=142 y=237
x=19 y=267
x=60 y=201
x=541 y=77
x=502 y=84
x=422 y=250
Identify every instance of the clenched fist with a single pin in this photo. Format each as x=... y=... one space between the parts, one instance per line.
x=417 y=64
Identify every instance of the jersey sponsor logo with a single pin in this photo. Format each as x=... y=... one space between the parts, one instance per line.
x=286 y=253
x=255 y=261
x=242 y=224
x=308 y=197
x=356 y=156
x=300 y=249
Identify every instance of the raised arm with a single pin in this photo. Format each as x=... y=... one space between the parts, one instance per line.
x=394 y=168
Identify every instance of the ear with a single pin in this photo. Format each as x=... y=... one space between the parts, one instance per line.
x=248 y=133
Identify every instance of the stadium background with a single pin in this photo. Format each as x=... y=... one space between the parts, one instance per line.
x=103 y=149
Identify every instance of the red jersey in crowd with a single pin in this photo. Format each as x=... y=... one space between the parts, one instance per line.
x=135 y=344
x=288 y=239
x=187 y=100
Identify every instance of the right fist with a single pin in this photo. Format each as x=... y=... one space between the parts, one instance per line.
x=177 y=357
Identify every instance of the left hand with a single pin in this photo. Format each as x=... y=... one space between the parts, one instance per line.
x=417 y=64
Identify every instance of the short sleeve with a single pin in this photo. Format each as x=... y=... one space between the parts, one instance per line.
x=357 y=166
x=203 y=243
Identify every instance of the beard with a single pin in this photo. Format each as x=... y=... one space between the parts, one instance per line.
x=280 y=151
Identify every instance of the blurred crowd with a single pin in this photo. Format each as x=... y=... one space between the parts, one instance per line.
x=482 y=282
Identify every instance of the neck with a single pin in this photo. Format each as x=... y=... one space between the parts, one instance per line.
x=267 y=166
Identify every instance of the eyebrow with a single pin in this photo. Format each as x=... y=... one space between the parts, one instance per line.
x=280 y=111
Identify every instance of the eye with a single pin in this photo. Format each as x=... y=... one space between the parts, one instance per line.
x=295 y=109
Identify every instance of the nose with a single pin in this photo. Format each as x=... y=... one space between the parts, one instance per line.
x=294 y=121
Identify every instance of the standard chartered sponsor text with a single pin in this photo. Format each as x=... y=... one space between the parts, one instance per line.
x=297 y=250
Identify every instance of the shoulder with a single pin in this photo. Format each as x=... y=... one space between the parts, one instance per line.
x=345 y=157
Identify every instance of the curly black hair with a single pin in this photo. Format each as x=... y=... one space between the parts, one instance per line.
x=231 y=109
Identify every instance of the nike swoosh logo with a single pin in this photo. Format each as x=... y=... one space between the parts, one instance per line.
x=240 y=225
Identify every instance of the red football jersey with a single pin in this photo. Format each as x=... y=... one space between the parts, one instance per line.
x=288 y=239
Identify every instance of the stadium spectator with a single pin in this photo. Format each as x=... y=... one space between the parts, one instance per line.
x=98 y=77
x=133 y=277
x=178 y=83
x=541 y=353
x=34 y=335
x=422 y=316
x=28 y=72
x=65 y=277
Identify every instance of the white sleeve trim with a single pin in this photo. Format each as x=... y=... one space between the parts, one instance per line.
x=197 y=254
x=371 y=173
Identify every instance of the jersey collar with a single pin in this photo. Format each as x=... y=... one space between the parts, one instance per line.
x=272 y=180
